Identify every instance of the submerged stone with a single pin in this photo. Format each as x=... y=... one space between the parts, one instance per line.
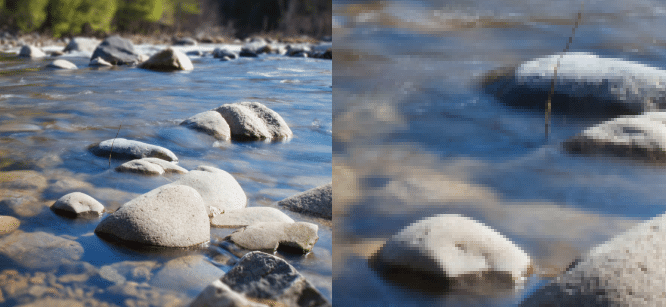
x=39 y=250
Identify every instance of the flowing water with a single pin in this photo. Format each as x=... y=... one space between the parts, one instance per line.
x=48 y=119
x=416 y=136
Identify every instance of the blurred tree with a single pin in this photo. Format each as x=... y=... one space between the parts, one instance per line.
x=27 y=15
x=70 y=16
x=132 y=13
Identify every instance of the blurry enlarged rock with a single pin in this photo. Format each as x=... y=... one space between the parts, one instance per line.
x=249 y=216
x=316 y=202
x=62 y=64
x=123 y=149
x=81 y=44
x=627 y=270
x=254 y=121
x=150 y=166
x=170 y=216
x=248 y=53
x=454 y=252
x=211 y=123
x=31 y=52
x=586 y=85
x=263 y=276
x=168 y=60
x=39 y=250
x=117 y=51
x=218 y=294
x=217 y=188
x=221 y=53
x=641 y=137
x=99 y=62
x=185 y=41
x=78 y=204
x=299 y=237
x=8 y=224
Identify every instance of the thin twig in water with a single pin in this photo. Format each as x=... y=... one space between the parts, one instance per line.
x=114 y=139
x=552 y=82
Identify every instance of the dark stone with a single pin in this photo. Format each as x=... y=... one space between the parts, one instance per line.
x=116 y=50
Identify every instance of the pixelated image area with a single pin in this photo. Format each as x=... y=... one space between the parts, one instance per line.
x=447 y=190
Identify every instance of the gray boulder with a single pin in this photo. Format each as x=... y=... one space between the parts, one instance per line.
x=316 y=202
x=254 y=121
x=211 y=123
x=221 y=53
x=31 y=52
x=124 y=149
x=61 y=64
x=150 y=166
x=171 y=216
x=628 y=270
x=217 y=188
x=299 y=236
x=85 y=44
x=586 y=85
x=168 y=60
x=219 y=294
x=642 y=137
x=456 y=250
x=263 y=276
x=78 y=204
x=117 y=51
x=249 y=216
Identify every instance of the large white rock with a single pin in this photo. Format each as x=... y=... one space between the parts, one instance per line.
x=81 y=44
x=254 y=121
x=211 y=123
x=299 y=236
x=316 y=202
x=248 y=216
x=591 y=84
x=62 y=64
x=78 y=204
x=31 y=52
x=168 y=60
x=628 y=270
x=642 y=137
x=456 y=247
x=123 y=148
x=217 y=188
x=171 y=215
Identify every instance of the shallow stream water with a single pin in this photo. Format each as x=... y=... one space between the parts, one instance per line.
x=416 y=136
x=48 y=118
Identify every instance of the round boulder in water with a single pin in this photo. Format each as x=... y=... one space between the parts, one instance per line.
x=170 y=216
x=300 y=236
x=117 y=51
x=62 y=64
x=254 y=121
x=81 y=44
x=31 y=52
x=121 y=149
x=168 y=60
x=150 y=166
x=211 y=123
x=217 y=188
x=78 y=204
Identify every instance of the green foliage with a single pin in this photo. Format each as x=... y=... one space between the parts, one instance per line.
x=29 y=15
x=140 y=10
x=69 y=16
x=173 y=9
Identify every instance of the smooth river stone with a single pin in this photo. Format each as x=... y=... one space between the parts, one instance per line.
x=31 y=52
x=99 y=62
x=117 y=51
x=150 y=166
x=317 y=202
x=452 y=247
x=211 y=123
x=218 y=294
x=221 y=53
x=8 y=224
x=248 y=216
x=62 y=64
x=123 y=149
x=168 y=60
x=171 y=216
x=642 y=137
x=628 y=270
x=254 y=121
x=189 y=274
x=300 y=236
x=217 y=188
x=263 y=276
x=78 y=204
x=39 y=250
x=590 y=85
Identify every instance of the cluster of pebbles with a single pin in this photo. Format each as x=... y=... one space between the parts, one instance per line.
x=180 y=214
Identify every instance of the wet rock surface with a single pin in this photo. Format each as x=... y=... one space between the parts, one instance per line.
x=211 y=123
x=216 y=187
x=117 y=51
x=150 y=166
x=79 y=205
x=299 y=237
x=218 y=294
x=254 y=121
x=263 y=276
x=31 y=52
x=39 y=250
x=248 y=216
x=170 y=216
x=62 y=64
x=316 y=202
x=168 y=60
x=123 y=149
x=190 y=274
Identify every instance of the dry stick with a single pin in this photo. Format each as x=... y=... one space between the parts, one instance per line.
x=114 y=140
x=552 y=82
